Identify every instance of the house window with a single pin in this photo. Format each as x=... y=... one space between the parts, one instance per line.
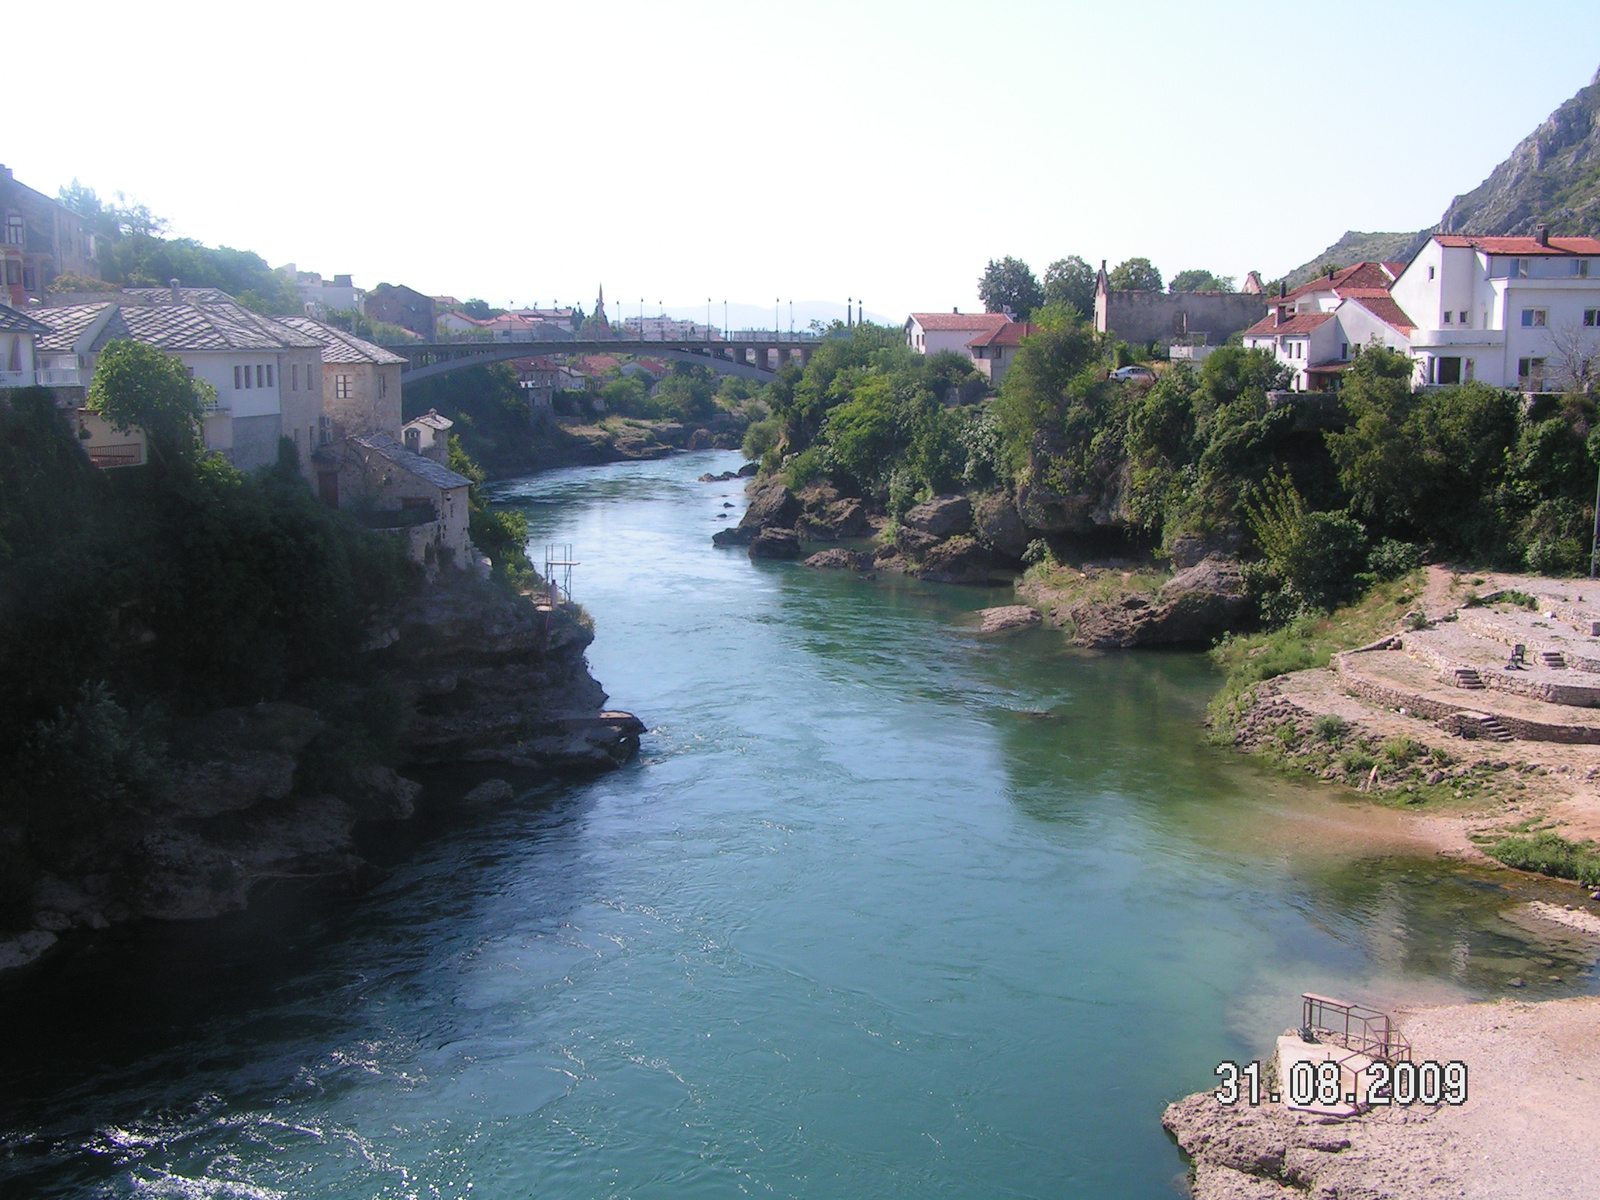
x=1534 y=318
x=341 y=387
x=294 y=382
x=1530 y=374
x=1591 y=316
x=1447 y=317
x=269 y=374
x=14 y=230
x=1449 y=370
x=14 y=273
x=1461 y=318
x=383 y=385
x=261 y=380
x=1430 y=272
x=1519 y=268
x=30 y=279
x=1344 y=349
x=1470 y=372
x=1580 y=268
x=236 y=383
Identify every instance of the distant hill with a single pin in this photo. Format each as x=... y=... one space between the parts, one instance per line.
x=1551 y=178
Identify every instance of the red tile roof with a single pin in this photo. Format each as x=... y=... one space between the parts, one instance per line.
x=1387 y=311
x=1299 y=324
x=1522 y=247
x=1009 y=334
x=1394 y=268
x=960 y=322
x=1367 y=276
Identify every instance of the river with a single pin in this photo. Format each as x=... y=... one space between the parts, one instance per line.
x=882 y=910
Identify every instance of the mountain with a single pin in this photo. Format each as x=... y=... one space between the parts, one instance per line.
x=1552 y=178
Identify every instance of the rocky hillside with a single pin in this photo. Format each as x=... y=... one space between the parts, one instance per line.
x=1552 y=178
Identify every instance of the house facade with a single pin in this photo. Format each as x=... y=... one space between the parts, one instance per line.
x=390 y=487
x=402 y=306
x=929 y=333
x=267 y=376
x=1145 y=317
x=360 y=383
x=40 y=238
x=992 y=353
x=19 y=335
x=1512 y=312
x=429 y=436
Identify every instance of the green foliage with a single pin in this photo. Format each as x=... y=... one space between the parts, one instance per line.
x=479 y=310
x=1317 y=554
x=381 y=332
x=1401 y=750
x=760 y=438
x=502 y=534
x=1549 y=854
x=1200 y=281
x=1330 y=727
x=489 y=409
x=1390 y=559
x=138 y=386
x=1135 y=275
x=1070 y=281
x=1009 y=283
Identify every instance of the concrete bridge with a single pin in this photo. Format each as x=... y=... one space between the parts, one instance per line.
x=756 y=358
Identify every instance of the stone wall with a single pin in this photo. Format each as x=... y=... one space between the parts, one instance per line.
x=1158 y=316
x=255 y=441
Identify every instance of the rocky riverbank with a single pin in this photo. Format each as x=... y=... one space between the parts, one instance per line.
x=983 y=539
x=462 y=673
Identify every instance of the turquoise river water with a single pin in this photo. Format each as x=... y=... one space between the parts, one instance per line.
x=882 y=910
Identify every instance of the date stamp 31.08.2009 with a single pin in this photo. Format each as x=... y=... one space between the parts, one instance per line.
x=1402 y=1083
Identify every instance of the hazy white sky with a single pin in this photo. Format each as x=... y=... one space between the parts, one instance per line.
x=677 y=151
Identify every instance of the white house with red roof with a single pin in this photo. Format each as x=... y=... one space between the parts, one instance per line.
x=929 y=333
x=1504 y=310
x=1317 y=329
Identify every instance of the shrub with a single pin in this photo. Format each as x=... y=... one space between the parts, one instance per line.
x=1317 y=554
x=1038 y=551
x=1330 y=727
x=760 y=438
x=1557 y=556
x=1402 y=750
x=1357 y=761
x=1390 y=559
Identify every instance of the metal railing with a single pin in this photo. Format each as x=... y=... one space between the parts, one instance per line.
x=1353 y=1026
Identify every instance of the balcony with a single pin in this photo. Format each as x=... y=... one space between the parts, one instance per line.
x=61 y=377
x=17 y=379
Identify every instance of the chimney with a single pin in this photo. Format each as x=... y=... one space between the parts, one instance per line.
x=1283 y=288
x=1542 y=235
x=1330 y=274
x=176 y=294
x=956 y=310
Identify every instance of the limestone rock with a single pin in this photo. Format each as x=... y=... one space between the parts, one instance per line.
x=379 y=793
x=839 y=559
x=748 y=470
x=959 y=560
x=998 y=524
x=1008 y=617
x=772 y=504
x=913 y=543
x=234 y=758
x=776 y=543
x=942 y=517
x=700 y=439
x=1194 y=607
x=25 y=948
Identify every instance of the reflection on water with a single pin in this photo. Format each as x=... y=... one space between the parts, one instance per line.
x=884 y=909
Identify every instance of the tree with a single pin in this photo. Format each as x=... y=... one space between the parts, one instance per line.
x=480 y=310
x=1575 y=358
x=1070 y=280
x=1196 y=280
x=136 y=385
x=1136 y=275
x=1009 y=283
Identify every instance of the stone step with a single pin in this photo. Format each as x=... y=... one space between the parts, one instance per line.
x=1554 y=659
x=1466 y=677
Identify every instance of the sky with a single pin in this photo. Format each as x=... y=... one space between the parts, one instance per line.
x=680 y=152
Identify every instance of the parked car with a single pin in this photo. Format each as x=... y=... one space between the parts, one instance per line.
x=1134 y=374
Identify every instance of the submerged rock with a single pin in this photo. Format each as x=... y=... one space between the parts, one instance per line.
x=490 y=791
x=942 y=517
x=839 y=559
x=776 y=543
x=959 y=560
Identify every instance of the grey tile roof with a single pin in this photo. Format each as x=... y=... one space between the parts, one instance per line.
x=339 y=346
x=163 y=295
x=67 y=325
x=416 y=464
x=430 y=419
x=12 y=321
x=220 y=326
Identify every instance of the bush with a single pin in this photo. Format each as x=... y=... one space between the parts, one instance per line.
x=760 y=438
x=1391 y=559
x=1356 y=761
x=1402 y=750
x=1549 y=854
x=1330 y=727
x=1038 y=551
x=1557 y=556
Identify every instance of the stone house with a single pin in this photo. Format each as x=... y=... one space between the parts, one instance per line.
x=387 y=486
x=429 y=436
x=267 y=376
x=40 y=238
x=402 y=306
x=360 y=383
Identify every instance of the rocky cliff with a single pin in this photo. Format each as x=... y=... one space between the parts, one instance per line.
x=1551 y=178
x=462 y=673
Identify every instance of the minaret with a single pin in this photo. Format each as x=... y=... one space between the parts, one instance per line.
x=600 y=306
